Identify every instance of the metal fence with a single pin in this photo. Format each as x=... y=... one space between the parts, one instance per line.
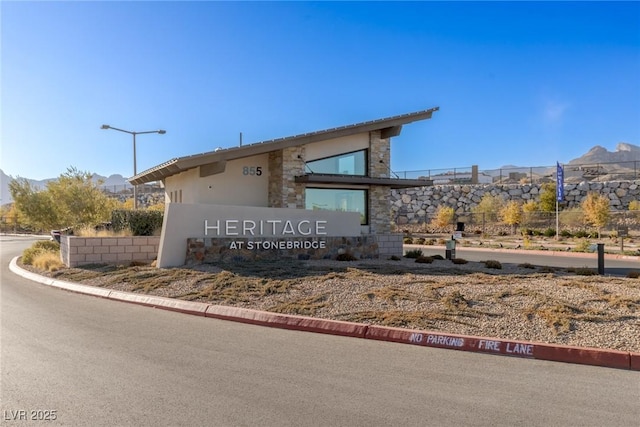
x=573 y=173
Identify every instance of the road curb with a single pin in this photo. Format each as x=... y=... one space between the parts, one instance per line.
x=285 y=321
x=522 y=349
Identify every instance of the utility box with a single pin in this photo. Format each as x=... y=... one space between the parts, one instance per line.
x=450 y=249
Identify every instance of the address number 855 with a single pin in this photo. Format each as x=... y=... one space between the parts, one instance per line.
x=252 y=170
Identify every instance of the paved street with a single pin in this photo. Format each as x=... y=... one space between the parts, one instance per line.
x=97 y=362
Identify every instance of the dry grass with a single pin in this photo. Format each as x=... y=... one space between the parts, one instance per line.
x=48 y=261
x=88 y=231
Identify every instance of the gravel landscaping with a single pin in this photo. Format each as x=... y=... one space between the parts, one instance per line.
x=519 y=302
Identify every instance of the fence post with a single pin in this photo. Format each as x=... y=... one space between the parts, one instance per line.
x=601 y=258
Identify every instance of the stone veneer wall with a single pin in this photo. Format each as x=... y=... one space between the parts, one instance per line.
x=212 y=250
x=416 y=205
x=379 y=201
x=76 y=251
x=284 y=166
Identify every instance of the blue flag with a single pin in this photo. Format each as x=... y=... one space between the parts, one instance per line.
x=559 y=182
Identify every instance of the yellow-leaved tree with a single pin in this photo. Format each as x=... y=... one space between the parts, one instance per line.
x=444 y=217
x=596 y=210
x=511 y=214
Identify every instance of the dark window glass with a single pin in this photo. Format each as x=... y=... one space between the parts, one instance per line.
x=345 y=164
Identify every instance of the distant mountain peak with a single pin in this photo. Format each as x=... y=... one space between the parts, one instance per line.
x=623 y=146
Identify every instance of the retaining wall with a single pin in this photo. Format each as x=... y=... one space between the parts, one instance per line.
x=414 y=205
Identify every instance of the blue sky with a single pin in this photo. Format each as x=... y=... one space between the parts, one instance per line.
x=517 y=83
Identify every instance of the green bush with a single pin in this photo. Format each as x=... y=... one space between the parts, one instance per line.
x=550 y=232
x=407 y=240
x=140 y=222
x=424 y=260
x=418 y=241
x=415 y=253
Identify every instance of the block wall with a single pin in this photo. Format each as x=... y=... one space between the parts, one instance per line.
x=77 y=251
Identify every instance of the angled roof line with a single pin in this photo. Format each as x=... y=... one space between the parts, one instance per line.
x=391 y=126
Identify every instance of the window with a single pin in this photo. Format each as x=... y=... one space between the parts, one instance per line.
x=338 y=199
x=354 y=163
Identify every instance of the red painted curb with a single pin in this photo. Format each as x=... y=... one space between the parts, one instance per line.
x=635 y=361
x=188 y=307
x=284 y=321
x=523 y=349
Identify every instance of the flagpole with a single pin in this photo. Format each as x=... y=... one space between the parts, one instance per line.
x=557 y=221
x=559 y=195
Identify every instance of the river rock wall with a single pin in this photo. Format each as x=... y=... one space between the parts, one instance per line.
x=417 y=205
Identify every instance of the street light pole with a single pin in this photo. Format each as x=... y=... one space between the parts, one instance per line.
x=135 y=164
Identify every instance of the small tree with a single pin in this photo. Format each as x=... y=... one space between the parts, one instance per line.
x=596 y=210
x=528 y=211
x=71 y=200
x=444 y=217
x=548 y=197
x=511 y=214
x=489 y=206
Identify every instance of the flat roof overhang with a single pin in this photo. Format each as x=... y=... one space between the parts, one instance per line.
x=394 y=183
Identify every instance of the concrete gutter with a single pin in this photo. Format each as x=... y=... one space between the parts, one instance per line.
x=523 y=349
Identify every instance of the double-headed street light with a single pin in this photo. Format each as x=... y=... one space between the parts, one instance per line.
x=135 y=167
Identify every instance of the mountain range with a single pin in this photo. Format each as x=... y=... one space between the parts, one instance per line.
x=624 y=153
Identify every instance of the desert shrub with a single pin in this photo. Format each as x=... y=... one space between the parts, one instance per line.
x=418 y=241
x=407 y=240
x=49 y=261
x=491 y=263
x=633 y=274
x=424 y=259
x=394 y=258
x=566 y=233
x=459 y=261
x=527 y=265
x=438 y=256
x=583 y=246
x=346 y=257
x=38 y=248
x=547 y=269
x=140 y=222
x=583 y=271
x=430 y=242
x=415 y=253
x=549 y=232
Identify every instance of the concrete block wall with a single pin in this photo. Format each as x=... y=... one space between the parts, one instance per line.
x=389 y=244
x=77 y=251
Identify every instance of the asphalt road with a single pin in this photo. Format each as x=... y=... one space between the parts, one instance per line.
x=98 y=362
